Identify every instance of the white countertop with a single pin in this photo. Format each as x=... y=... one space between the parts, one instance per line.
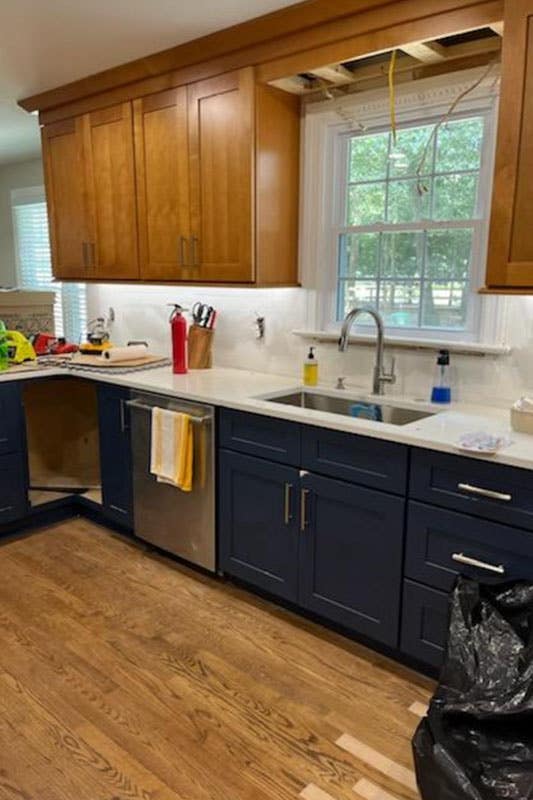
x=242 y=390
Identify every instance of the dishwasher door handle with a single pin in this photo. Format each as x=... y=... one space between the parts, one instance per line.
x=146 y=407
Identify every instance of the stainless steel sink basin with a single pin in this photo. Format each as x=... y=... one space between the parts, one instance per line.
x=379 y=412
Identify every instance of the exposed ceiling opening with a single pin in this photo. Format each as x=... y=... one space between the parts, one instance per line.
x=415 y=60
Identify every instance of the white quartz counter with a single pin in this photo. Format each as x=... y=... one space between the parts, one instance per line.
x=243 y=390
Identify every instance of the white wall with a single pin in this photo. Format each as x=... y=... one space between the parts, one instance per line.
x=13 y=176
x=141 y=313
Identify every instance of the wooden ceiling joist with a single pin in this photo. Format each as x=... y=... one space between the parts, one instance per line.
x=336 y=74
x=426 y=52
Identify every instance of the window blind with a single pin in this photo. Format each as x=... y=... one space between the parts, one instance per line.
x=32 y=244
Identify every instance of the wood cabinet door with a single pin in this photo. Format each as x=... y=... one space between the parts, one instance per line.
x=258 y=539
x=351 y=549
x=510 y=259
x=62 y=144
x=110 y=171
x=221 y=141
x=163 y=201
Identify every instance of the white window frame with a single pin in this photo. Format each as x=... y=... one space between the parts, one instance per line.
x=325 y=133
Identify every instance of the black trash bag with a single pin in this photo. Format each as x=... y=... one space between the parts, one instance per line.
x=477 y=741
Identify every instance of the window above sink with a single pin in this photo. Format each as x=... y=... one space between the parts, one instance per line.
x=403 y=224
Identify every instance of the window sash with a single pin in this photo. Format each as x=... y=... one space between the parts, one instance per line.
x=339 y=184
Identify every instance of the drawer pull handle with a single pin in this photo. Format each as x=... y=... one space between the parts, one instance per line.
x=6 y=508
x=303 y=509
x=467 y=487
x=473 y=562
x=287 y=506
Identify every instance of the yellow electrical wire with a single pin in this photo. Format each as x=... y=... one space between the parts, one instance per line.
x=392 y=96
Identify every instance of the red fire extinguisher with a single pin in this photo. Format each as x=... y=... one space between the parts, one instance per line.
x=178 y=328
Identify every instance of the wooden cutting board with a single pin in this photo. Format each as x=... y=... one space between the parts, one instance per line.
x=103 y=363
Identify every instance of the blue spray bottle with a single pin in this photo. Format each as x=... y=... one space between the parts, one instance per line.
x=442 y=390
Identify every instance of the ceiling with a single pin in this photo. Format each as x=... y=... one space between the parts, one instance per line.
x=46 y=43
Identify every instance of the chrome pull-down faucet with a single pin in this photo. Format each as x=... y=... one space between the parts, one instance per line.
x=380 y=375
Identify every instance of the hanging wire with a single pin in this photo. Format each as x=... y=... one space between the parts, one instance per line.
x=392 y=96
x=420 y=186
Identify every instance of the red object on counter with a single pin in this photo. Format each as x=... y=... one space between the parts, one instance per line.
x=46 y=344
x=178 y=328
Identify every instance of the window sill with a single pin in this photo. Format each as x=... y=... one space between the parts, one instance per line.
x=454 y=346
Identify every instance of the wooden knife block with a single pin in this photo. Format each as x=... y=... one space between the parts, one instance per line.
x=200 y=347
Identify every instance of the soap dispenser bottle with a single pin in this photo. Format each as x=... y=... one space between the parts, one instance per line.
x=310 y=372
x=442 y=390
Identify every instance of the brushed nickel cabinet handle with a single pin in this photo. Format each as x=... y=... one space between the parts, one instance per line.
x=85 y=255
x=92 y=250
x=303 y=509
x=122 y=415
x=287 y=505
x=181 y=254
x=473 y=562
x=481 y=492
x=194 y=250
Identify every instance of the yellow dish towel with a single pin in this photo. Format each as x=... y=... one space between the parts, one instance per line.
x=172 y=448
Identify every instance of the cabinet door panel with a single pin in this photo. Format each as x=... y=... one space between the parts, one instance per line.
x=162 y=163
x=221 y=130
x=425 y=614
x=351 y=556
x=115 y=454
x=11 y=419
x=510 y=253
x=63 y=159
x=13 y=488
x=258 y=525
x=109 y=162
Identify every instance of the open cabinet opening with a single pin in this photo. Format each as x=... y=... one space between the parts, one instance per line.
x=62 y=436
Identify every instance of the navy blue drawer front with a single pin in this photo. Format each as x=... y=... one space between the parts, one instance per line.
x=13 y=488
x=11 y=419
x=441 y=544
x=424 y=623
x=256 y=435
x=358 y=459
x=493 y=491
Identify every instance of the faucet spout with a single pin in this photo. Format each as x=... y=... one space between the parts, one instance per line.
x=380 y=377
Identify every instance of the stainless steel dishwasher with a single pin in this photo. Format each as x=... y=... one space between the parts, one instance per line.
x=182 y=523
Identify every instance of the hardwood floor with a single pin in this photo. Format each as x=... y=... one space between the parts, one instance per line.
x=124 y=676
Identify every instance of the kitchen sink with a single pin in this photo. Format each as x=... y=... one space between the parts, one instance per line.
x=377 y=411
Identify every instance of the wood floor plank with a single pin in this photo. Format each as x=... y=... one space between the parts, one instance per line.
x=124 y=675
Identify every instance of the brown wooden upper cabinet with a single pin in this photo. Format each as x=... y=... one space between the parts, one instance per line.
x=510 y=258
x=90 y=187
x=204 y=177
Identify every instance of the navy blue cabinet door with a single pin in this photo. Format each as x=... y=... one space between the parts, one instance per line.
x=424 y=623
x=115 y=454
x=258 y=526
x=351 y=548
x=11 y=419
x=13 y=488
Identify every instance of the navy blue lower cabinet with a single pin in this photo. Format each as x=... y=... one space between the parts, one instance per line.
x=351 y=549
x=115 y=454
x=424 y=623
x=258 y=525
x=441 y=544
x=13 y=488
x=11 y=419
